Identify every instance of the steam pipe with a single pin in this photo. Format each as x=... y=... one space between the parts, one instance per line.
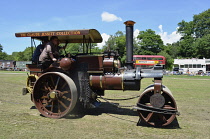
x=129 y=43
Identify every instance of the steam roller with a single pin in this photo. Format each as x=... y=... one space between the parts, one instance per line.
x=76 y=81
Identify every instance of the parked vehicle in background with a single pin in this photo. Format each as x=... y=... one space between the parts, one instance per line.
x=21 y=65
x=200 y=72
x=6 y=64
x=208 y=73
x=181 y=71
x=175 y=71
x=13 y=65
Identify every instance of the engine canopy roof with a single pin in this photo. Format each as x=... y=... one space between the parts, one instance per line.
x=72 y=36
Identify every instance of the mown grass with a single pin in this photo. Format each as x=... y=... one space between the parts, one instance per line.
x=192 y=95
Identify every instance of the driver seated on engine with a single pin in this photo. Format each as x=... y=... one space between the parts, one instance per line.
x=50 y=53
x=38 y=50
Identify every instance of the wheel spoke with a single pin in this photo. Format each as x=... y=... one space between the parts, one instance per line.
x=64 y=97
x=149 y=116
x=44 y=89
x=63 y=85
x=52 y=106
x=50 y=101
x=162 y=117
x=44 y=97
x=47 y=87
x=169 y=107
x=59 y=108
x=65 y=92
x=51 y=78
x=57 y=83
x=62 y=104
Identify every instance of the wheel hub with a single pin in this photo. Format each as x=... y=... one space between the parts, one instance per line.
x=157 y=100
x=53 y=94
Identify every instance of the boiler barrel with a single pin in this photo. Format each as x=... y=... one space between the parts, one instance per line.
x=107 y=82
x=124 y=81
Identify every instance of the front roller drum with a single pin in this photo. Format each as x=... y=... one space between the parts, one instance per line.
x=157 y=109
x=55 y=94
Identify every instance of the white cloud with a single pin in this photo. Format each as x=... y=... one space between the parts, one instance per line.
x=168 y=38
x=107 y=17
x=105 y=38
x=136 y=33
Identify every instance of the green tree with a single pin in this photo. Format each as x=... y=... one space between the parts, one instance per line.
x=116 y=41
x=121 y=43
x=27 y=54
x=1 y=48
x=3 y=55
x=197 y=28
x=203 y=46
x=195 y=40
x=14 y=55
x=186 y=47
x=10 y=57
x=149 y=43
x=172 y=49
x=202 y=24
x=73 y=48
x=110 y=44
x=96 y=50
x=186 y=28
x=20 y=56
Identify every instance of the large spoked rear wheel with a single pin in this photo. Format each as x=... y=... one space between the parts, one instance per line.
x=55 y=95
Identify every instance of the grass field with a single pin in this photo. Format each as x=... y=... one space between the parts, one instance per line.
x=192 y=95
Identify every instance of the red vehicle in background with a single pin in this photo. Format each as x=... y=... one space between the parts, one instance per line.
x=148 y=61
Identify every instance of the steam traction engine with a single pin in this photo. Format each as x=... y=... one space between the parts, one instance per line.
x=78 y=80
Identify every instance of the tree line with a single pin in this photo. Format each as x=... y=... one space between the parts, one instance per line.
x=194 y=43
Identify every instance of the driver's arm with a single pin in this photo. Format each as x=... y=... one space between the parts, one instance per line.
x=52 y=57
x=49 y=50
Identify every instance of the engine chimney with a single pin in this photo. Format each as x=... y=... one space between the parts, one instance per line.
x=129 y=43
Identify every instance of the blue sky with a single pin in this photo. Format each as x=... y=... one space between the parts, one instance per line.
x=106 y=16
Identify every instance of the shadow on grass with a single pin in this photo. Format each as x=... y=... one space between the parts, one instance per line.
x=111 y=109
x=105 y=107
x=114 y=111
x=173 y=125
x=33 y=107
